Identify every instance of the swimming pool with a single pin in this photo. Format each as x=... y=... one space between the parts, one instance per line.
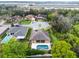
x=42 y=47
x=6 y=39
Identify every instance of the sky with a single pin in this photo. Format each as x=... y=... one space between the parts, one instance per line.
x=39 y=0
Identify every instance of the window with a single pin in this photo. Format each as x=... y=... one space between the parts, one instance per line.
x=38 y=41
x=42 y=41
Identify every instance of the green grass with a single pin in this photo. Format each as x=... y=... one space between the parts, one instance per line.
x=24 y=22
x=52 y=36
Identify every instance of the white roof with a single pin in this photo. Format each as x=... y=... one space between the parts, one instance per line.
x=39 y=25
x=2 y=29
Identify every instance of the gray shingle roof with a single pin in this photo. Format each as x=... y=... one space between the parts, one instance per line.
x=39 y=35
x=18 y=31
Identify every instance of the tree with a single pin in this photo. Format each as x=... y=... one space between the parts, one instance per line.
x=35 y=52
x=18 y=12
x=62 y=12
x=14 y=49
x=52 y=16
x=76 y=30
x=74 y=41
x=61 y=24
x=0 y=50
x=76 y=18
x=61 y=49
x=76 y=50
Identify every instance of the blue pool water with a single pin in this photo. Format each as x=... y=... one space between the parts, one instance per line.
x=6 y=39
x=42 y=47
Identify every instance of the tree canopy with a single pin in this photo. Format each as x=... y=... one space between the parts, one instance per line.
x=61 y=49
x=14 y=49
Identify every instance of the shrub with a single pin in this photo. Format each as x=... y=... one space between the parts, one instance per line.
x=34 y=52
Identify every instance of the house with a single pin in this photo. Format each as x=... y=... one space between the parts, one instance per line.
x=39 y=25
x=18 y=32
x=4 y=17
x=3 y=29
x=30 y=17
x=2 y=22
x=40 y=40
x=40 y=17
x=16 y=18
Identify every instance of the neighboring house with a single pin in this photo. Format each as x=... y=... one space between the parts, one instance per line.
x=39 y=25
x=40 y=17
x=3 y=29
x=4 y=17
x=30 y=17
x=2 y=22
x=40 y=40
x=16 y=18
x=18 y=32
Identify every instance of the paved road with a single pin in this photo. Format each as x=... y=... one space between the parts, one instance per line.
x=41 y=56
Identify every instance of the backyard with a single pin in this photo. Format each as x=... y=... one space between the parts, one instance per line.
x=24 y=22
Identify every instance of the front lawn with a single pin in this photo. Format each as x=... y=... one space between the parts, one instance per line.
x=24 y=22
